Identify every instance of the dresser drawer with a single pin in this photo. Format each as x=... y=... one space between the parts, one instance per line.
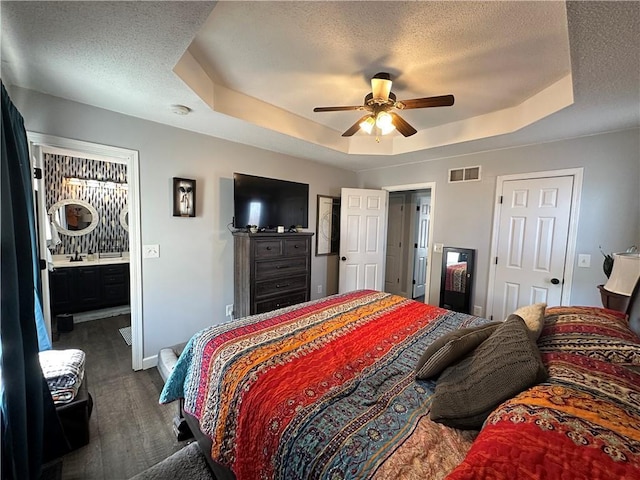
x=284 y=284
x=285 y=266
x=280 y=302
x=114 y=279
x=268 y=248
x=115 y=294
x=296 y=246
x=115 y=269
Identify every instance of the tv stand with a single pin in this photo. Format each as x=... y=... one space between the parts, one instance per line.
x=271 y=270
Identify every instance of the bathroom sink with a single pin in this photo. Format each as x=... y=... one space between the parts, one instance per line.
x=110 y=255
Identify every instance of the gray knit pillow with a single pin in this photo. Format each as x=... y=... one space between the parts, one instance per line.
x=504 y=365
x=451 y=347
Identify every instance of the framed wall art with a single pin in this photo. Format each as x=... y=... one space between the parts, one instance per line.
x=184 y=197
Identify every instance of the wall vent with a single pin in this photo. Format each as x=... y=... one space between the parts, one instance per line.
x=466 y=174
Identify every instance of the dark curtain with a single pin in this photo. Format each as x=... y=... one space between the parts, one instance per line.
x=31 y=432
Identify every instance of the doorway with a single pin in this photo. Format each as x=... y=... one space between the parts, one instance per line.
x=363 y=238
x=39 y=145
x=407 y=259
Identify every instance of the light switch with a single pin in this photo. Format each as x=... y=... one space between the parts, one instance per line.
x=584 y=260
x=150 y=251
x=437 y=247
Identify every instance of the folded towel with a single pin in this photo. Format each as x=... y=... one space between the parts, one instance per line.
x=65 y=395
x=64 y=372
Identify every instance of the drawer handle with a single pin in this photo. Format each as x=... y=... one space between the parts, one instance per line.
x=278 y=267
x=296 y=246
x=281 y=285
x=268 y=248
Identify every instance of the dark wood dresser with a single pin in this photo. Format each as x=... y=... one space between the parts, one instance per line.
x=271 y=271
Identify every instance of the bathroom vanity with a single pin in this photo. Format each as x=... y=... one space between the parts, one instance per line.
x=88 y=285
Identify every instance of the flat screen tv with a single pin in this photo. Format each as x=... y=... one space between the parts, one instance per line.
x=269 y=203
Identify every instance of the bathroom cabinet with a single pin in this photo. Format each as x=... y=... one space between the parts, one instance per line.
x=271 y=271
x=83 y=288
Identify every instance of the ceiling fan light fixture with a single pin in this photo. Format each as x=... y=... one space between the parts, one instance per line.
x=381 y=88
x=368 y=124
x=380 y=104
x=387 y=129
x=384 y=122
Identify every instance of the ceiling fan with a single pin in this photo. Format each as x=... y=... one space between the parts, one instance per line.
x=379 y=104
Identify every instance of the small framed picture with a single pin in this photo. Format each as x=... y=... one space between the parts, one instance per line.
x=184 y=197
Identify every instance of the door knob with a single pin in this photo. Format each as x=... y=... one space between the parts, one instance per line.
x=555 y=281
x=344 y=259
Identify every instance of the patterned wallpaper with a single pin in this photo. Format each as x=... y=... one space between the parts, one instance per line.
x=109 y=235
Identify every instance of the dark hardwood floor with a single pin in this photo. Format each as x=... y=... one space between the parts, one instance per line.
x=129 y=430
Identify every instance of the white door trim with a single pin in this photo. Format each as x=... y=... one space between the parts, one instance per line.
x=39 y=142
x=422 y=186
x=577 y=174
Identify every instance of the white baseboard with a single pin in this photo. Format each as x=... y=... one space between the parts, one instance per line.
x=150 y=362
x=98 y=314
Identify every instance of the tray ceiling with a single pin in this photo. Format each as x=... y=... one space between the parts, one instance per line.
x=251 y=72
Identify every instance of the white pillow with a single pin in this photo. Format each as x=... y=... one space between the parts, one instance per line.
x=533 y=316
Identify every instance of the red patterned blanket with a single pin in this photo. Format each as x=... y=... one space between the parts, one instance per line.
x=326 y=389
x=584 y=422
x=456 y=277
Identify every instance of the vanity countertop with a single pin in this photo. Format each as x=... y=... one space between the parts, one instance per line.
x=63 y=261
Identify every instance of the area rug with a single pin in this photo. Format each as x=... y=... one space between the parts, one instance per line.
x=188 y=463
x=126 y=334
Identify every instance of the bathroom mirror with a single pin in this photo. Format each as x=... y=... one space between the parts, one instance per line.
x=457 y=279
x=74 y=217
x=328 y=225
x=124 y=218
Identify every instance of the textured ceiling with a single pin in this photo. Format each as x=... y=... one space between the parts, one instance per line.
x=298 y=55
x=521 y=72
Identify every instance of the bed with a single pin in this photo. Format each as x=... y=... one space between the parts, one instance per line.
x=328 y=389
x=454 y=295
x=456 y=277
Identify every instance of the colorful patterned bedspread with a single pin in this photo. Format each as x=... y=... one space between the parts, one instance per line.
x=322 y=390
x=584 y=422
x=456 y=277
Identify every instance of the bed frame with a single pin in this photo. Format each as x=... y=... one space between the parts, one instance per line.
x=220 y=472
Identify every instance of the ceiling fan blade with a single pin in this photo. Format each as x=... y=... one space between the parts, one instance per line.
x=401 y=125
x=339 y=109
x=440 y=101
x=355 y=127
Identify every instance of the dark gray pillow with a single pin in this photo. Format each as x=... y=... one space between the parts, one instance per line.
x=504 y=365
x=451 y=347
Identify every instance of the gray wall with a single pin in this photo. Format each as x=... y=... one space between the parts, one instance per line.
x=609 y=211
x=187 y=288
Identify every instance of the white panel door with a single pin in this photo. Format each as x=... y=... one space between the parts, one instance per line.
x=421 y=245
x=395 y=230
x=532 y=243
x=363 y=231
